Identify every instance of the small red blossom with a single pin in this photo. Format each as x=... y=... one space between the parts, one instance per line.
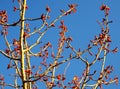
x=43 y=17
x=1 y=78
x=115 y=50
x=48 y=9
x=72 y=7
x=69 y=39
x=62 y=26
x=61 y=34
x=63 y=78
x=28 y=71
x=3 y=17
x=19 y=1
x=59 y=77
x=109 y=39
x=107 y=8
x=49 y=44
x=26 y=7
x=116 y=80
x=7 y=51
x=26 y=35
x=15 y=42
x=14 y=9
x=102 y=7
x=8 y=67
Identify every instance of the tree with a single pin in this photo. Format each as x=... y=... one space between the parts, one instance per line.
x=20 y=52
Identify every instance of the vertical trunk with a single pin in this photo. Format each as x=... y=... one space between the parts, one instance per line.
x=28 y=66
x=22 y=16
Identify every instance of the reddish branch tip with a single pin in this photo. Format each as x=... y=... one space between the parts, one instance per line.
x=14 y=9
x=1 y=78
x=105 y=8
x=59 y=77
x=43 y=17
x=115 y=50
x=102 y=7
x=7 y=51
x=48 y=9
x=26 y=7
x=19 y=1
x=28 y=71
x=72 y=8
x=8 y=66
x=3 y=17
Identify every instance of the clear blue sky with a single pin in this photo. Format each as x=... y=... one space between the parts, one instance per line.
x=82 y=26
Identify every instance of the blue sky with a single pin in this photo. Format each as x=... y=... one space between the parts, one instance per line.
x=82 y=26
